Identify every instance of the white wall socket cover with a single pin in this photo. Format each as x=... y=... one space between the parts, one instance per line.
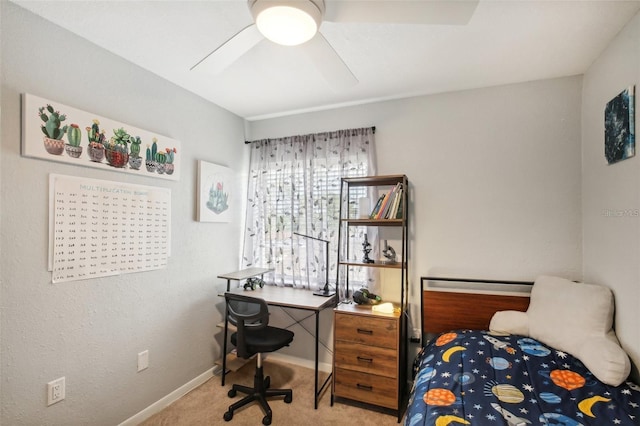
x=55 y=391
x=143 y=360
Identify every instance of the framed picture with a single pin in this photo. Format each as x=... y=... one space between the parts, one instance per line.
x=216 y=193
x=56 y=132
x=619 y=127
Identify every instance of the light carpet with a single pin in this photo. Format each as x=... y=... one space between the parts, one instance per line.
x=206 y=404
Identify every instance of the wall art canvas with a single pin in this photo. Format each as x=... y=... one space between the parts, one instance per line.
x=619 y=127
x=57 y=132
x=216 y=192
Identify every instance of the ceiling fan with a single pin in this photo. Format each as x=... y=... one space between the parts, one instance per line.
x=297 y=22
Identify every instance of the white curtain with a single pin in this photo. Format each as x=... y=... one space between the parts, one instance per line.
x=294 y=186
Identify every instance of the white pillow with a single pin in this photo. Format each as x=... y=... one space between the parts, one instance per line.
x=511 y=322
x=578 y=318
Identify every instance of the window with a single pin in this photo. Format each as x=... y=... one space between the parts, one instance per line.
x=294 y=186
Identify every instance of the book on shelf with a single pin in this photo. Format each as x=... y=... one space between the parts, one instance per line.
x=388 y=204
x=375 y=210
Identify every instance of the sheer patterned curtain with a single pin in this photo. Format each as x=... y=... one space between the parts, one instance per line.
x=294 y=186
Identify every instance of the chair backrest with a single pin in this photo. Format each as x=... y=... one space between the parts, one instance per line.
x=247 y=314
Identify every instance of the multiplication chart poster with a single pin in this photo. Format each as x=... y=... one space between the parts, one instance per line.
x=99 y=228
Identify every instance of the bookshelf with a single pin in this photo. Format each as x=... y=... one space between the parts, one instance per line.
x=396 y=188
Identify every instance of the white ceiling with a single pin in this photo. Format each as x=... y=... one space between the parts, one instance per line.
x=506 y=41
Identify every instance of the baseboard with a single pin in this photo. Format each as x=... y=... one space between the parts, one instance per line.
x=158 y=406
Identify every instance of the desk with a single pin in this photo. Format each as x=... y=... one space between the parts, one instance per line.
x=286 y=297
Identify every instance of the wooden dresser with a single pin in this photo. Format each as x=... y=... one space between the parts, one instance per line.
x=366 y=357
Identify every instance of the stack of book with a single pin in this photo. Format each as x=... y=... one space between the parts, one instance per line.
x=389 y=205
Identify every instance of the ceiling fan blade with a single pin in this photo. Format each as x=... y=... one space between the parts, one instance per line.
x=229 y=51
x=336 y=73
x=434 y=12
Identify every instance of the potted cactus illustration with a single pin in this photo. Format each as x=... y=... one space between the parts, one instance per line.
x=96 y=142
x=169 y=167
x=150 y=161
x=135 y=161
x=53 y=133
x=117 y=149
x=161 y=160
x=74 y=136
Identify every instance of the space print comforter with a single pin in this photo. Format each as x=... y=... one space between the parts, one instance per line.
x=475 y=378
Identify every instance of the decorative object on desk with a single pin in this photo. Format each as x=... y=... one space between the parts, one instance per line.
x=40 y=115
x=365 y=297
x=216 y=190
x=366 y=249
x=253 y=283
x=619 y=127
x=389 y=253
x=324 y=291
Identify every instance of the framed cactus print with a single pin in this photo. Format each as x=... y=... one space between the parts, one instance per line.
x=216 y=193
x=57 y=132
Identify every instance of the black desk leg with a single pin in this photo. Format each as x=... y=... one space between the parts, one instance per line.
x=317 y=339
x=224 y=344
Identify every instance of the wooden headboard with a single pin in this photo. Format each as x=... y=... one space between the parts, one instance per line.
x=457 y=305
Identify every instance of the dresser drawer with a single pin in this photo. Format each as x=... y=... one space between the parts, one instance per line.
x=369 y=388
x=380 y=332
x=366 y=359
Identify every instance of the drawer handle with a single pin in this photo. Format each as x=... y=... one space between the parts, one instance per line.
x=363 y=359
x=364 y=387
x=363 y=331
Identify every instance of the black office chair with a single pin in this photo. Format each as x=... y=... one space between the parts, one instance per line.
x=250 y=315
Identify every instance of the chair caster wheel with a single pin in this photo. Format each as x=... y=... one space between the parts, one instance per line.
x=228 y=416
x=288 y=399
x=267 y=382
x=266 y=420
x=231 y=394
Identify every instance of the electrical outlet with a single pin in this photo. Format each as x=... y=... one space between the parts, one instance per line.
x=55 y=391
x=143 y=360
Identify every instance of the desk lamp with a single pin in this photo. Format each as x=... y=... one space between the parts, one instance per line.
x=325 y=291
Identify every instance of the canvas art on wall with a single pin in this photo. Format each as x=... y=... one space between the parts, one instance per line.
x=57 y=132
x=619 y=127
x=216 y=187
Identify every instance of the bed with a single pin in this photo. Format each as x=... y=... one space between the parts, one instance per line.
x=526 y=364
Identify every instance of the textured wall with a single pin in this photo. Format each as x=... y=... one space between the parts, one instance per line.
x=611 y=193
x=494 y=176
x=91 y=331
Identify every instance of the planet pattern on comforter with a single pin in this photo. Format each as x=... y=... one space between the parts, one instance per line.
x=477 y=378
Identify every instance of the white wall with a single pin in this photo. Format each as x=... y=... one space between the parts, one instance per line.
x=494 y=176
x=91 y=331
x=611 y=193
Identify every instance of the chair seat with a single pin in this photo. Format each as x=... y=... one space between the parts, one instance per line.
x=268 y=339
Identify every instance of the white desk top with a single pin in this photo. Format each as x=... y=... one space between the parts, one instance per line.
x=290 y=297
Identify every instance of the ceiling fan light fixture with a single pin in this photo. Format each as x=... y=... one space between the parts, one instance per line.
x=288 y=23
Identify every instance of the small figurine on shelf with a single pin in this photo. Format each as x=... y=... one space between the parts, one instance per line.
x=389 y=253
x=366 y=248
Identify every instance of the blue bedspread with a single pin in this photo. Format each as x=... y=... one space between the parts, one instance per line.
x=474 y=378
